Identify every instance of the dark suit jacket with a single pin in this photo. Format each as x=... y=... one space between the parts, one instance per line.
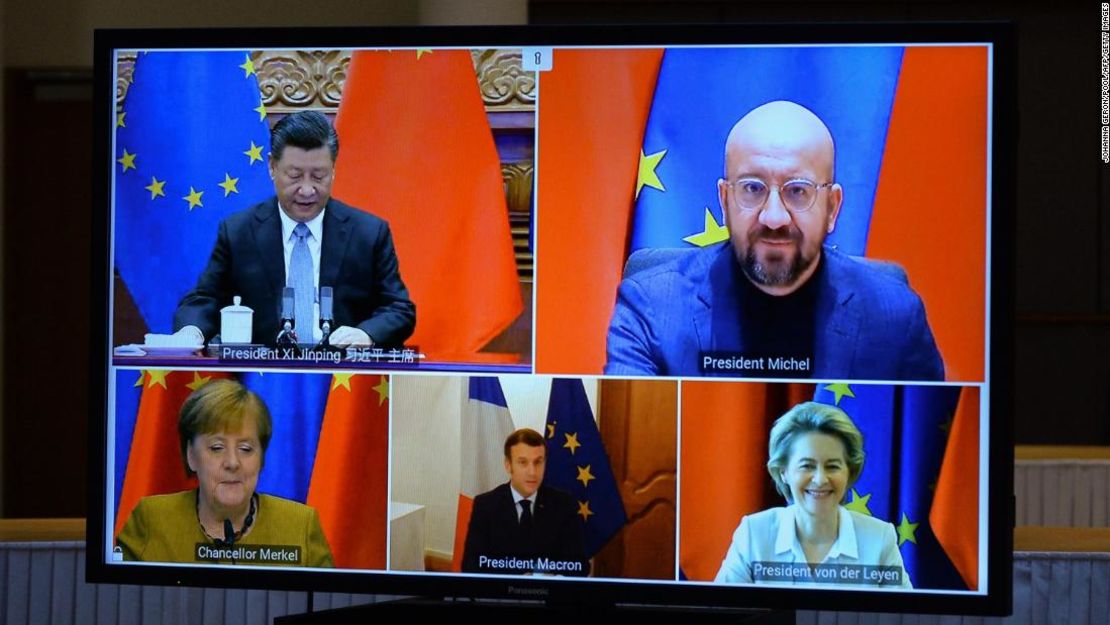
x=869 y=323
x=495 y=532
x=357 y=260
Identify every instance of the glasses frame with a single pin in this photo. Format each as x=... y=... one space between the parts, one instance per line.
x=777 y=188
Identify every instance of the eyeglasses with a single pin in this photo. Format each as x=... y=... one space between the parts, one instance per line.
x=796 y=195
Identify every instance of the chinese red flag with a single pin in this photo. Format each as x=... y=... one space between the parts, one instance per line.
x=416 y=149
x=594 y=105
x=348 y=487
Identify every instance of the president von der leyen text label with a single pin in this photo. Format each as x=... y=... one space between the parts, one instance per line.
x=793 y=572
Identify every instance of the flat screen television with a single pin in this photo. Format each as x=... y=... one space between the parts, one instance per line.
x=695 y=316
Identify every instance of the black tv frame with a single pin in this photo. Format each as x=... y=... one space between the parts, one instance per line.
x=598 y=592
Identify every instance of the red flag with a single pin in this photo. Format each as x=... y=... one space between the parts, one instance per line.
x=154 y=465
x=954 y=516
x=594 y=107
x=417 y=150
x=735 y=447
x=348 y=487
x=930 y=206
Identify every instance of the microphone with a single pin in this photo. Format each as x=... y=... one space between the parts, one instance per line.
x=286 y=336
x=229 y=536
x=326 y=318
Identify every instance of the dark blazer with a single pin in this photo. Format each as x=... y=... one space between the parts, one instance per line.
x=869 y=323
x=495 y=532
x=357 y=260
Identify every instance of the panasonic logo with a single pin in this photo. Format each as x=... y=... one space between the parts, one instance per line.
x=534 y=592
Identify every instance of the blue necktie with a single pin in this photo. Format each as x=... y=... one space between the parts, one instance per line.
x=302 y=280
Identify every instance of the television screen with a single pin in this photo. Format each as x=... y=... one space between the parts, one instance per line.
x=709 y=316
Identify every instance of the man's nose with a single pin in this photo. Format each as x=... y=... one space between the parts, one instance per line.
x=774 y=215
x=306 y=189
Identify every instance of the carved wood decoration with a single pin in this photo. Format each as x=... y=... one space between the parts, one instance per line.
x=503 y=82
x=293 y=80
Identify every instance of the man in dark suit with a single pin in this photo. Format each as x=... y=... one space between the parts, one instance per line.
x=523 y=526
x=773 y=301
x=303 y=238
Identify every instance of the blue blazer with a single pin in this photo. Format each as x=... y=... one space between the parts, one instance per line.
x=870 y=324
x=357 y=260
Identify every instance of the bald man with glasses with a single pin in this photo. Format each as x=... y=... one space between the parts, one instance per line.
x=773 y=301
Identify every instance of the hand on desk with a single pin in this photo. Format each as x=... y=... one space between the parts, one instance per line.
x=346 y=336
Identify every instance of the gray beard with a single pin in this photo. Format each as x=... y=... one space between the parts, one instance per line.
x=781 y=274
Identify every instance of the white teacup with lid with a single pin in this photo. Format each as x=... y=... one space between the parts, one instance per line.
x=236 y=322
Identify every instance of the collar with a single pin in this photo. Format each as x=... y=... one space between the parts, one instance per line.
x=787 y=538
x=315 y=225
x=517 y=497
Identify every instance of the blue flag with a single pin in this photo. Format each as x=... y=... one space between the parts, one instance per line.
x=296 y=402
x=189 y=151
x=905 y=430
x=129 y=392
x=577 y=463
x=701 y=94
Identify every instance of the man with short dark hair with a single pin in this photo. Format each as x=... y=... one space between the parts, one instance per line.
x=523 y=526
x=303 y=238
x=773 y=301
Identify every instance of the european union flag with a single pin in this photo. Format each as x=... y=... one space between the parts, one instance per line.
x=701 y=93
x=577 y=463
x=905 y=430
x=189 y=151
x=296 y=402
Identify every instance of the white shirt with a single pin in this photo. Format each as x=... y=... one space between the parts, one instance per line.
x=517 y=498
x=770 y=537
x=315 y=240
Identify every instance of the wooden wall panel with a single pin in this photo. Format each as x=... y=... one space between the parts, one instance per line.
x=638 y=423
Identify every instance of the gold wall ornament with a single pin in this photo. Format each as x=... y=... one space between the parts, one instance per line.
x=125 y=75
x=296 y=80
x=502 y=81
x=292 y=80
x=517 y=178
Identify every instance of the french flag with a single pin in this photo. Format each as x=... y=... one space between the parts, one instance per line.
x=486 y=424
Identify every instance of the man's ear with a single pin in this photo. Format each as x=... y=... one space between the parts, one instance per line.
x=836 y=199
x=722 y=198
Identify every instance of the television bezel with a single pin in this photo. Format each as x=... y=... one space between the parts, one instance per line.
x=998 y=599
